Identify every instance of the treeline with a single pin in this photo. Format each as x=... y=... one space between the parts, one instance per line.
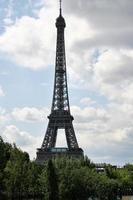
x=59 y=179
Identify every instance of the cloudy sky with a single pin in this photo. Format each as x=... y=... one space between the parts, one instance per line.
x=99 y=50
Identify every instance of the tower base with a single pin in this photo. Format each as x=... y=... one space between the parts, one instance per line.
x=44 y=155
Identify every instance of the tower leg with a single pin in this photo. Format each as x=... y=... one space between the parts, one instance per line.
x=50 y=137
x=71 y=138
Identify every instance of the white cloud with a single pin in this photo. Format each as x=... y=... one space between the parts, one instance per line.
x=23 y=139
x=113 y=74
x=112 y=21
x=28 y=41
x=106 y=135
x=114 y=66
x=114 y=147
x=29 y=114
x=4 y=117
x=87 y=101
x=88 y=114
x=103 y=133
x=2 y=93
x=8 y=13
x=110 y=29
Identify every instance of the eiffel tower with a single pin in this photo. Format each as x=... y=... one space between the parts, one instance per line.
x=60 y=117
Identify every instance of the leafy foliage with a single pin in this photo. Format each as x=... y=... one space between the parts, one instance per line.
x=59 y=179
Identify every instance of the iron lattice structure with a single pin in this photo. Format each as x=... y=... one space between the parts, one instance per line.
x=60 y=117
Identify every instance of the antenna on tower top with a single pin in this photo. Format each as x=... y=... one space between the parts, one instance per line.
x=60 y=6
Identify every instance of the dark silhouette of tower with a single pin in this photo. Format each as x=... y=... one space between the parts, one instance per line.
x=60 y=117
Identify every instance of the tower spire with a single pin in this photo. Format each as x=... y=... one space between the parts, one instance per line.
x=60 y=1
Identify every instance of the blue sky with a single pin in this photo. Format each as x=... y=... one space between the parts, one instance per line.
x=99 y=65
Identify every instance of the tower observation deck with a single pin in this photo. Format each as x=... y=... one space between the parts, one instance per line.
x=60 y=117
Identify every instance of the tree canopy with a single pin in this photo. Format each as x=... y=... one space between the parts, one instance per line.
x=59 y=179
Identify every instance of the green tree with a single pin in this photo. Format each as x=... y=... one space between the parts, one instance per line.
x=51 y=182
x=5 y=149
x=16 y=174
x=33 y=179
